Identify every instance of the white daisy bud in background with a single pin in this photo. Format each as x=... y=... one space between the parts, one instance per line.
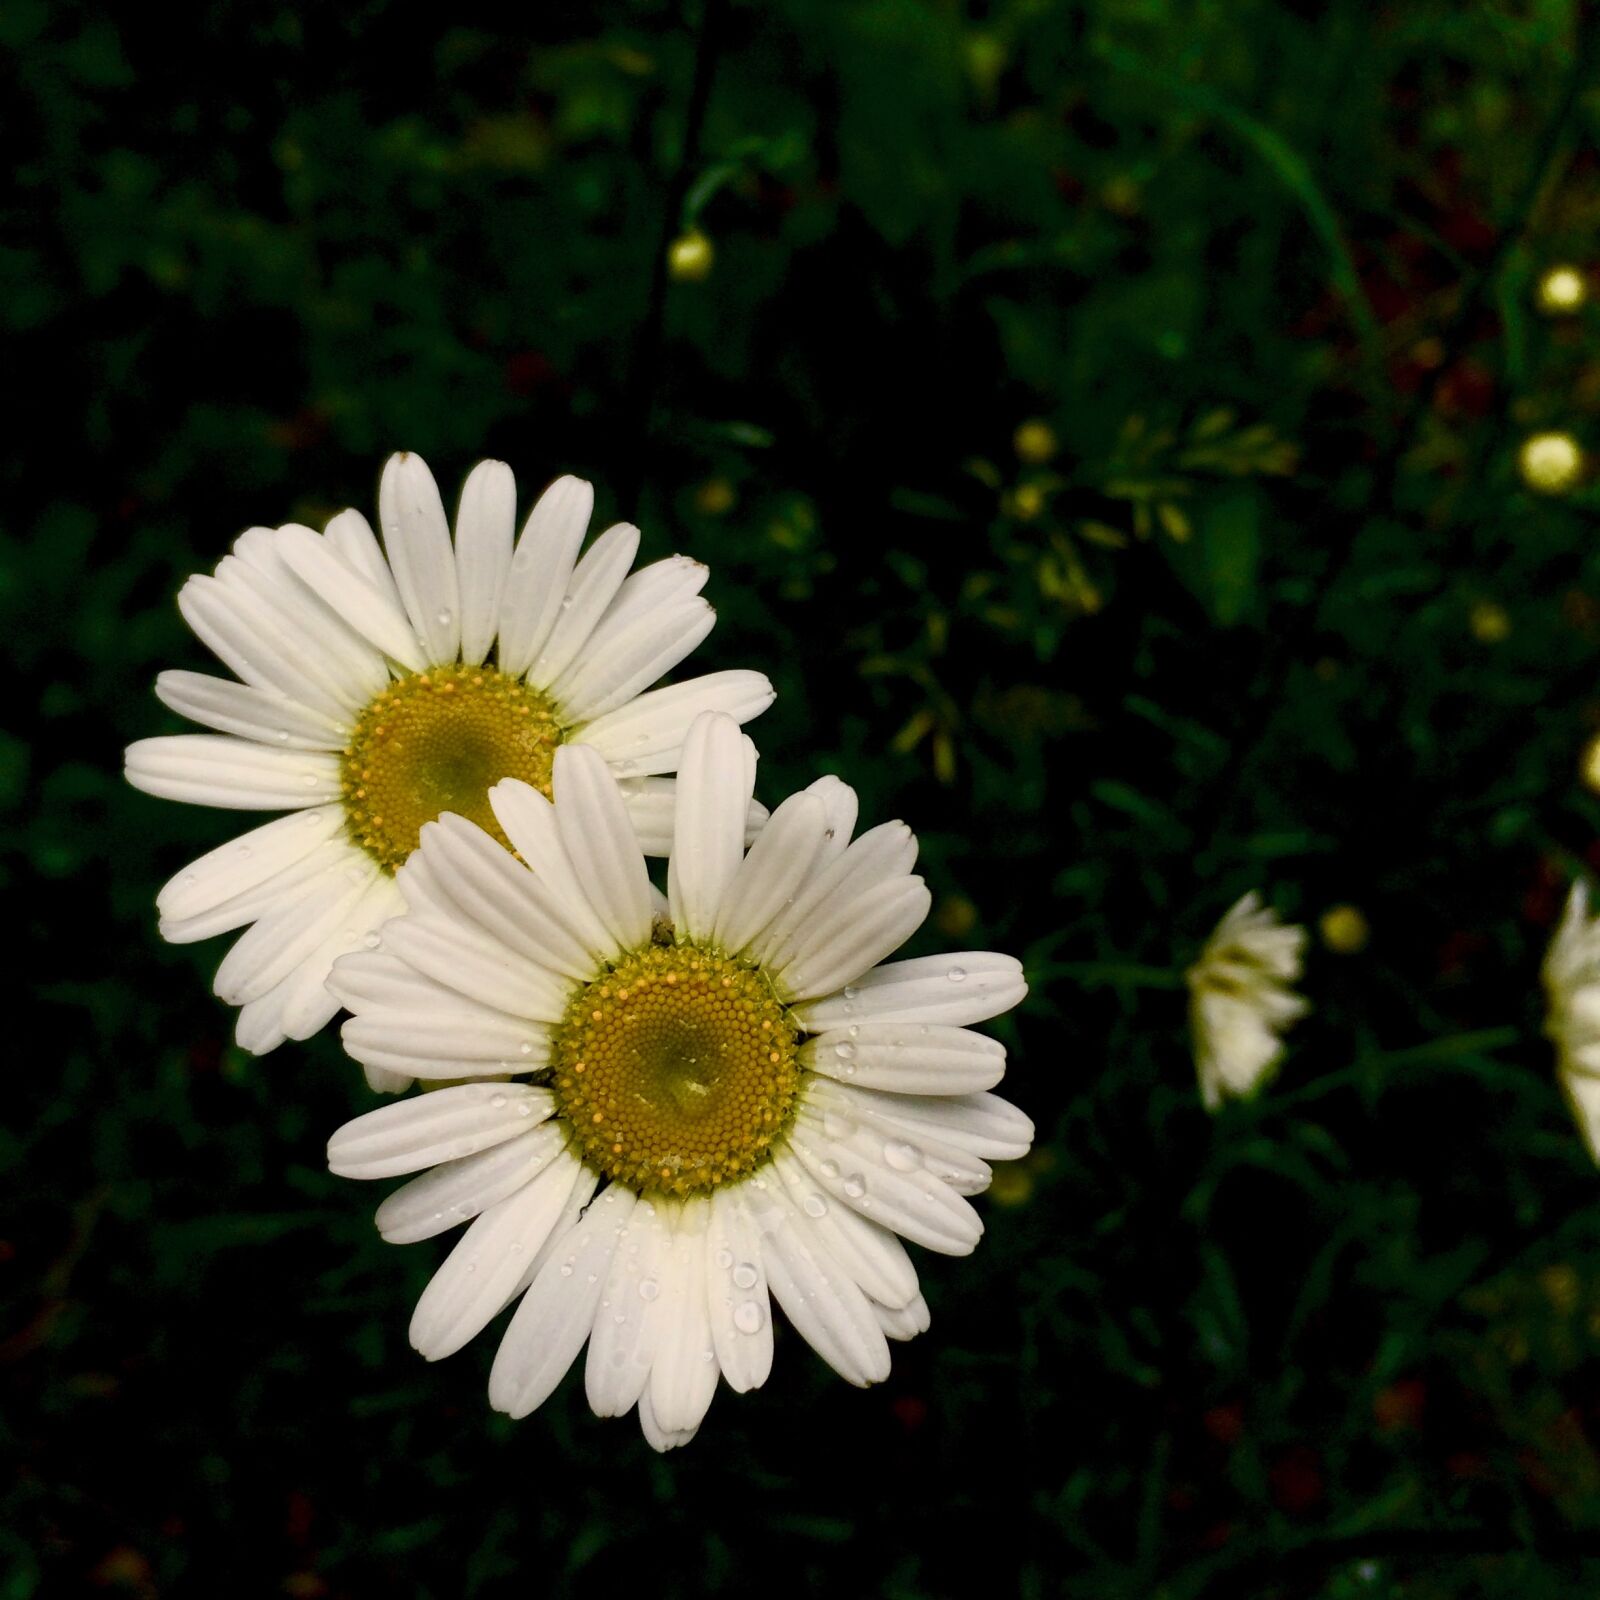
x=381 y=687
x=1572 y=1019
x=1240 y=999
x=720 y=1098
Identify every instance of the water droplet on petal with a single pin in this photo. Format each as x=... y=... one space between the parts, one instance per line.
x=724 y=1258
x=844 y=1050
x=748 y=1317
x=444 y=619
x=649 y=1289
x=957 y=974
x=372 y=940
x=814 y=1205
x=745 y=1275
x=498 y=1102
x=830 y=1169
x=855 y=1186
x=902 y=1155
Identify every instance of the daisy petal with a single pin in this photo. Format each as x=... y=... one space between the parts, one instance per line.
x=853 y=936
x=736 y=1293
x=713 y=799
x=658 y=1438
x=828 y=1311
x=429 y=1128
x=983 y=1124
x=477 y=1277
x=486 y=524
x=905 y=1323
x=857 y=1166
x=644 y=736
x=215 y=769
x=456 y=1191
x=600 y=681
x=558 y=1311
x=417 y=539
x=907 y=1058
x=594 y=584
x=960 y=989
x=275 y=945
x=541 y=571
x=249 y=861
x=371 y=609
x=464 y=958
x=308 y=1004
x=351 y=538
x=289 y=884
x=873 y=1258
x=652 y=808
x=459 y=1036
x=261 y=715
x=531 y=825
x=622 y=1346
x=908 y=1144
x=842 y=808
x=599 y=842
x=683 y=1376
x=770 y=876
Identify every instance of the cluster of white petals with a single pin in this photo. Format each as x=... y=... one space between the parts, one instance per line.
x=1241 y=999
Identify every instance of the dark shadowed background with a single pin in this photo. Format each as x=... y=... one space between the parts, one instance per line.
x=1264 y=603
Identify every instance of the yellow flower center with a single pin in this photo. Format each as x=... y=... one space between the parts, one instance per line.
x=676 y=1069
x=438 y=741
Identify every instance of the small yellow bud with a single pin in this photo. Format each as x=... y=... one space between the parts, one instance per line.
x=1344 y=930
x=1027 y=502
x=1589 y=764
x=690 y=257
x=1034 y=441
x=1012 y=1184
x=955 y=917
x=1550 y=463
x=1489 y=622
x=714 y=497
x=1562 y=290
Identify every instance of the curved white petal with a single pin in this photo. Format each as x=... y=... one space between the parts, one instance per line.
x=479 y=1275
x=906 y=1322
x=275 y=945
x=643 y=737
x=853 y=936
x=370 y=608
x=608 y=675
x=600 y=843
x=593 y=586
x=460 y=956
x=558 y=1312
x=713 y=799
x=215 y=769
x=683 y=1376
x=417 y=539
x=875 y=1260
x=429 y=1128
x=908 y=1143
x=736 y=1292
x=907 y=1057
x=263 y=715
x=971 y=986
x=541 y=570
x=770 y=876
x=622 y=1347
x=249 y=861
x=982 y=1124
x=456 y=1191
x=486 y=524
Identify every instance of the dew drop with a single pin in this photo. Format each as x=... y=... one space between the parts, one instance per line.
x=283 y=736
x=844 y=1050
x=498 y=1102
x=244 y=852
x=748 y=1317
x=310 y=780
x=901 y=1155
x=526 y=1047
x=851 y=991
x=814 y=1205
x=649 y=1289
x=745 y=1275
x=837 y=1127
x=444 y=619
x=525 y=1109
x=724 y=1258
x=957 y=974
x=372 y=940
x=855 y=1186
x=830 y=1169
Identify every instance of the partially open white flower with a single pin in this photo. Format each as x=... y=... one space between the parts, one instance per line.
x=691 y=1101
x=1240 y=1000
x=1572 y=1019
x=380 y=687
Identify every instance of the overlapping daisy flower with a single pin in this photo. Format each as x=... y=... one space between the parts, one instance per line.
x=1240 y=999
x=690 y=1106
x=378 y=686
x=1572 y=1018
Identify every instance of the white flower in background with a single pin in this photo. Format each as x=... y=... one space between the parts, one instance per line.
x=1572 y=1020
x=381 y=687
x=727 y=1096
x=1240 y=999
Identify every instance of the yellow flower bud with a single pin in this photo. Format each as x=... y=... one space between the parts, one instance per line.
x=1344 y=930
x=690 y=257
x=1550 y=463
x=1562 y=290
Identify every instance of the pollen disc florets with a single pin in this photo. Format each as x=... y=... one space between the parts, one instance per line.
x=438 y=741
x=676 y=1069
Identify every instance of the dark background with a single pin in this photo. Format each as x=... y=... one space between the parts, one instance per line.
x=1278 y=612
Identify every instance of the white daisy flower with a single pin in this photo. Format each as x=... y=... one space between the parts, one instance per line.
x=1240 y=1000
x=380 y=687
x=726 y=1097
x=1572 y=1020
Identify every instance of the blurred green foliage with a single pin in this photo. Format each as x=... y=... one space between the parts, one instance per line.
x=1260 y=600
